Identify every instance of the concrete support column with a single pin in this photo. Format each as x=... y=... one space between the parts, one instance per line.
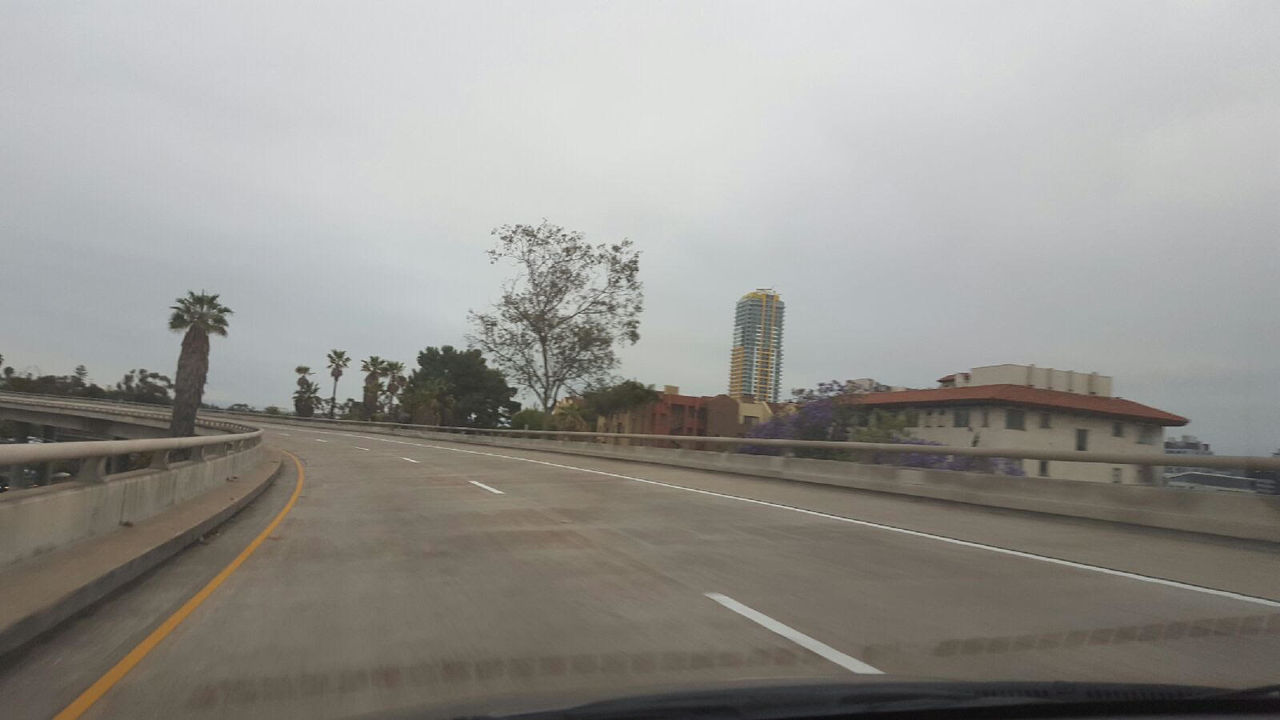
x=17 y=476
x=49 y=434
x=16 y=480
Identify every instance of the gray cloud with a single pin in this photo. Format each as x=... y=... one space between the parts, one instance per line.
x=931 y=186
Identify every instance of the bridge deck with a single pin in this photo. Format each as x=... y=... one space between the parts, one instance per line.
x=413 y=571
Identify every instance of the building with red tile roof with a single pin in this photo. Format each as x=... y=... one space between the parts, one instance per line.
x=1025 y=407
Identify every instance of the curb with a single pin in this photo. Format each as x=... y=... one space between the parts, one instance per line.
x=27 y=629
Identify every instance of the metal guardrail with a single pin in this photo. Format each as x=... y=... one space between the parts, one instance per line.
x=149 y=411
x=1145 y=459
x=93 y=456
x=1226 y=462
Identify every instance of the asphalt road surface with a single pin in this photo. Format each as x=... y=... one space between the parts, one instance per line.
x=415 y=572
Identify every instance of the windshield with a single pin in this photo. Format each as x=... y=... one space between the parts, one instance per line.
x=493 y=357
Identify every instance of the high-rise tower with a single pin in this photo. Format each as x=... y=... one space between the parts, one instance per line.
x=755 y=365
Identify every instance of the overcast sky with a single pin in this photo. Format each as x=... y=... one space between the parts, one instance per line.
x=931 y=186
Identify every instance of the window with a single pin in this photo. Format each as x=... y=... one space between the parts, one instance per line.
x=912 y=418
x=961 y=418
x=750 y=420
x=1044 y=468
x=1147 y=435
x=1082 y=439
x=1117 y=429
x=1045 y=419
x=986 y=417
x=1015 y=419
x=1115 y=473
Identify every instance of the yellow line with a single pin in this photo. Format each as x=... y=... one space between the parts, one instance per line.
x=135 y=656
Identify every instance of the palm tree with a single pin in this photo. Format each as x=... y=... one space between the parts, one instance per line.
x=302 y=397
x=373 y=367
x=307 y=396
x=200 y=316
x=425 y=401
x=338 y=361
x=395 y=383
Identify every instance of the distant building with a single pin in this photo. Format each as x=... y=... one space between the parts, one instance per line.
x=1186 y=445
x=866 y=385
x=733 y=417
x=1031 y=376
x=676 y=414
x=1027 y=408
x=1221 y=482
x=755 y=361
x=672 y=414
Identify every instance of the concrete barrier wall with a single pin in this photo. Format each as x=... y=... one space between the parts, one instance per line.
x=1236 y=515
x=42 y=519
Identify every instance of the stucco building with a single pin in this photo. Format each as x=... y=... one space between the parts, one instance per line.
x=1028 y=408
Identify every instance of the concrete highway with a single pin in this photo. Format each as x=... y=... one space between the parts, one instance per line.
x=414 y=572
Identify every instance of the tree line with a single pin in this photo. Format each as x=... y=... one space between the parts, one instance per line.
x=139 y=385
x=553 y=332
x=196 y=316
x=448 y=387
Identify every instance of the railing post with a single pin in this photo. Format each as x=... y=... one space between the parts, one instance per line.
x=93 y=470
x=160 y=460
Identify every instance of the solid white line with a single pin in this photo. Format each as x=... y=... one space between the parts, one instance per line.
x=850 y=663
x=360 y=448
x=904 y=531
x=285 y=434
x=410 y=460
x=891 y=528
x=319 y=440
x=486 y=487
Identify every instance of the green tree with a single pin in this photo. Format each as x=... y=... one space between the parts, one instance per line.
x=569 y=303
x=467 y=391
x=143 y=386
x=394 y=372
x=307 y=396
x=70 y=385
x=529 y=419
x=351 y=409
x=614 y=399
x=426 y=401
x=373 y=368
x=338 y=361
x=569 y=417
x=199 y=315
